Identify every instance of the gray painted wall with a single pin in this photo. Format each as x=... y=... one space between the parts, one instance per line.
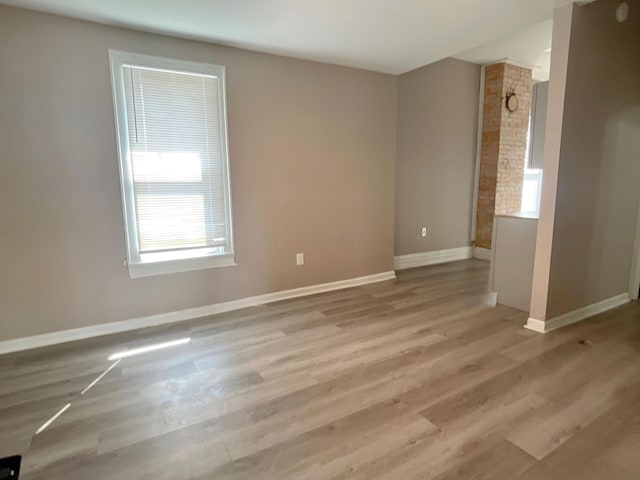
x=437 y=134
x=312 y=152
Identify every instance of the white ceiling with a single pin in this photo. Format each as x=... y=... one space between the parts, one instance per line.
x=392 y=36
x=529 y=47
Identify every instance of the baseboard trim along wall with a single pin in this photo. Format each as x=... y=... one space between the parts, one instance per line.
x=482 y=253
x=63 y=336
x=431 y=258
x=568 y=318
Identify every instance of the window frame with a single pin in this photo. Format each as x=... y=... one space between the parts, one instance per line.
x=533 y=174
x=208 y=259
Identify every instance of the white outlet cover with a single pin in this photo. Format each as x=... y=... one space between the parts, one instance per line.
x=300 y=259
x=424 y=231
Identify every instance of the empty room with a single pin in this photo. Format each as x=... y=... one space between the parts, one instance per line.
x=319 y=240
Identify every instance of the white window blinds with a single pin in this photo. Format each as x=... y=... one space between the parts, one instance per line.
x=175 y=170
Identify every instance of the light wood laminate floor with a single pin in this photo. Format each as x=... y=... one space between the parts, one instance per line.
x=415 y=378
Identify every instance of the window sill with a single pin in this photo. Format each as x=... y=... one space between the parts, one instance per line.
x=149 y=269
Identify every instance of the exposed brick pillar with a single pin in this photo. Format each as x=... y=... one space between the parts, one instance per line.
x=504 y=144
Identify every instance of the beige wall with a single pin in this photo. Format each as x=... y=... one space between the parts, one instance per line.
x=562 y=19
x=598 y=187
x=437 y=134
x=312 y=149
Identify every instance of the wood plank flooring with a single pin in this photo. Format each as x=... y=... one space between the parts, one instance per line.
x=415 y=378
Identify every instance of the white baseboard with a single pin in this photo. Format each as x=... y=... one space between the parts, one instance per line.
x=542 y=326
x=54 y=338
x=431 y=258
x=536 y=325
x=482 y=253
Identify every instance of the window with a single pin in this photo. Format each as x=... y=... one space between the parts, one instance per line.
x=531 y=190
x=174 y=167
x=532 y=184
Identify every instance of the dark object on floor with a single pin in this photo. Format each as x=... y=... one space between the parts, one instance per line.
x=10 y=468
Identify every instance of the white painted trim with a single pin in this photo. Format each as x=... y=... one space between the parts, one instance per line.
x=574 y=316
x=136 y=266
x=536 y=325
x=432 y=258
x=482 y=253
x=138 y=270
x=634 y=276
x=476 y=178
x=54 y=338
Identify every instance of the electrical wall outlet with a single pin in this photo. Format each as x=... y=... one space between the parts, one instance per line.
x=424 y=231
x=300 y=259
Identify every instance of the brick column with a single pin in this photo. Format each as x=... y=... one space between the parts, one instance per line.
x=504 y=144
